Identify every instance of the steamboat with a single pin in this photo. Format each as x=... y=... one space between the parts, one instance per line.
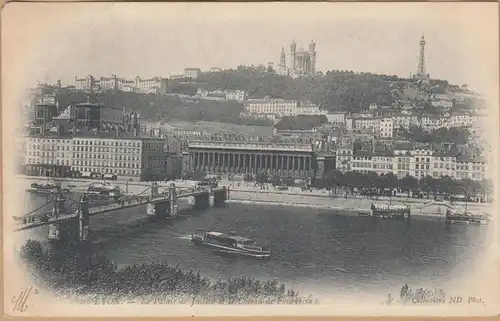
x=389 y=211
x=465 y=217
x=104 y=191
x=230 y=244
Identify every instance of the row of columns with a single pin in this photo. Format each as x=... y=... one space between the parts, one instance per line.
x=251 y=163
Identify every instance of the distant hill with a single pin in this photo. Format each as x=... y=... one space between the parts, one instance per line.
x=156 y=108
x=335 y=90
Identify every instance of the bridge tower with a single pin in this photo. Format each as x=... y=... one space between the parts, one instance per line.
x=83 y=218
x=154 y=190
x=201 y=199
x=59 y=209
x=173 y=200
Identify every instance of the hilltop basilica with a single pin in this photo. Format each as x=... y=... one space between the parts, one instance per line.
x=300 y=62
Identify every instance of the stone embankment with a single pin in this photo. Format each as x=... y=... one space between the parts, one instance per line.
x=241 y=192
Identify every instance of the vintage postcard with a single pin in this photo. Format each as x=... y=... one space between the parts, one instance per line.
x=250 y=159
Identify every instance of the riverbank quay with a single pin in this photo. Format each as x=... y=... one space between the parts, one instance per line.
x=81 y=185
x=354 y=204
x=251 y=193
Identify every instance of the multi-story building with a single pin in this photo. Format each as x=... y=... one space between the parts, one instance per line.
x=430 y=123
x=422 y=163
x=130 y=156
x=382 y=163
x=309 y=109
x=344 y=156
x=470 y=168
x=192 y=73
x=155 y=85
x=48 y=155
x=59 y=155
x=386 y=128
x=463 y=120
x=272 y=106
x=362 y=162
x=441 y=103
x=85 y=84
x=238 y=95
x=404 y=121
x=336 y=118
x=404 y=163
x=444 y=165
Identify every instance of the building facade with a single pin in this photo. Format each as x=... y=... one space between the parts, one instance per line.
x=281 y=107
x=284 y=160
x=61 y=156
x=301 y=62
x=192 y=73
x=155 y=85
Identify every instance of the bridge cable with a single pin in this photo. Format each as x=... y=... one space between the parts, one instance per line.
x=143 y=191
x=31 y=212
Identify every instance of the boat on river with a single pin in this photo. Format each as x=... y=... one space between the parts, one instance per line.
x=104 y=191
x=230 y=244
x=46 y=188
x=466 y=217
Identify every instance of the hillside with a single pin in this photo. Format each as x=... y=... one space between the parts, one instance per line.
x=155 y=108
x=300 y=122
x=336 y=90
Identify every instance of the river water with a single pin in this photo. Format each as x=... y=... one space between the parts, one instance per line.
x=314 y=250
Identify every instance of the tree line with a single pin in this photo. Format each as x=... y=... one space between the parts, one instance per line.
x=334 y=91
x=382 y=183
x=68 y=271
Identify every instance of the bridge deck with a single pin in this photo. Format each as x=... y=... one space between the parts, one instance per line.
x=47 y=218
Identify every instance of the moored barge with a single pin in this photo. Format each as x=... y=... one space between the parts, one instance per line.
x=389 y=211
x=466 y=217
x=47 y=188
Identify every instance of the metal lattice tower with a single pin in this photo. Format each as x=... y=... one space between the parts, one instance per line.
x=421 y=59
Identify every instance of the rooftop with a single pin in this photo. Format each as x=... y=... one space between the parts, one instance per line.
x=100 y=135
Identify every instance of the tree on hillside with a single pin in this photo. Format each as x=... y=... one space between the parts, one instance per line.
x=155 y=108
x=336 y=90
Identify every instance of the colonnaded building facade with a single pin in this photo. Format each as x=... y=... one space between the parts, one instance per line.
x=284 y=160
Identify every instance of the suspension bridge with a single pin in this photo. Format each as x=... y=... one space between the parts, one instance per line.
x=62 y=212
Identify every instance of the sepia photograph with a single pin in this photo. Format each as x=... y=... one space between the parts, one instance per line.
x=250 y=159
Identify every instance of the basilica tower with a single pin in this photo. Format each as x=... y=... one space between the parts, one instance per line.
x=282 y=66
x=293 y=50
x=312 y=55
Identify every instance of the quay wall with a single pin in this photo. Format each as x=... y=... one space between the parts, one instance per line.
x=354 y=205
x=251 y=194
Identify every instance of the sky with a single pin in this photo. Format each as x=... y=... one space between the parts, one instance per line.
x=46 y=42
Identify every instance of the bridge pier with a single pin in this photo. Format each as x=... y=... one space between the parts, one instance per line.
x=56 y=230
x=201 y=200
x=173 y=200
x=220 y=197
x=83 y=219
